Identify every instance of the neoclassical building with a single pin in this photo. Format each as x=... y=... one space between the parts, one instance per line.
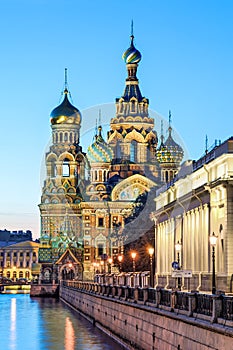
x=17 y=260
x=188 y=210
x=86 y=196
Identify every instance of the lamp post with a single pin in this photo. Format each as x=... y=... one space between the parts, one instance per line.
x=151 y=252
x=178 y=250
x=120 y=258
x=133 y=255
x=213 y=241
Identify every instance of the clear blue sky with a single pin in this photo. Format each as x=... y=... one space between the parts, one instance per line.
x=187 y=66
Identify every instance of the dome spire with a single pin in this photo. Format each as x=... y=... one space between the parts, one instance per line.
x=132 y=55
x=65 y=84
x=169 y=123
x=132 y=36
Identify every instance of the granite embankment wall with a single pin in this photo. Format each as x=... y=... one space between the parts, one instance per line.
x=141 y=325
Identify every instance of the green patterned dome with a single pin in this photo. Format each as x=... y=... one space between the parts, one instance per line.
x=170 y=151
x=99 y=151
x=132 y=55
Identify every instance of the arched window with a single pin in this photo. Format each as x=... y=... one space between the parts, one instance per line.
x=53 y=169
x=133 y=151
x=65 y=168
x=60 y=136
x=66 y=136
x=118 y=150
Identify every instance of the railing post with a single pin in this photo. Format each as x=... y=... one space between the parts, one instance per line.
x=217 y=307
x=191 y=304
x=145 y=295
x=157 y=297
x=172 y=299
x=135 y=294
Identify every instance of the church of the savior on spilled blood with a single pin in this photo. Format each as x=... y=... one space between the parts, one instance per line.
x=86 y=196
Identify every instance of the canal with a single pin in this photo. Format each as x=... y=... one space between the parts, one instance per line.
x=46 y=324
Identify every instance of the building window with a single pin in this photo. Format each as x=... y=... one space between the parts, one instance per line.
x=66 y=168
x=100 y=249
x=20 y=274
x=100 y=222
x=8 y=274
x=133 y=150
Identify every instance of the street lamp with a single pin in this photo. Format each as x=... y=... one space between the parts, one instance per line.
x=133 y=255
x=178 y=250
x=213 y=242
x=120 y=258
x=151 y=252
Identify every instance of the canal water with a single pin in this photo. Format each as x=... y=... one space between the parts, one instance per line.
x=46 y=324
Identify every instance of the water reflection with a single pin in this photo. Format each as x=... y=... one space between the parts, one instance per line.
x=13 y=323
x=69 y=335
x=46 y=324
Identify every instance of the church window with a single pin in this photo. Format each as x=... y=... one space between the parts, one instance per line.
x=56 y=137
x=100 y=249
x=71 y=137
x=133 y=106
x=60 y=136
x=100 y=222
x=118 y=150
x=66 y=137
x=53 y=169
x=20 y=274
x=133 y=149
x=65 y=168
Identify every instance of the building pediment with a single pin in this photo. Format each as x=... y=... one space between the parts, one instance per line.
x=67 y=257
x=131 y=188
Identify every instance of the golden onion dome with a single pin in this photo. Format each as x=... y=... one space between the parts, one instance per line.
x=65 y=113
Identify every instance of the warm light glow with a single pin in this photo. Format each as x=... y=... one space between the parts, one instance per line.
x=102 y=262
x=151 y=251
x=120 y=258
x=110 y=260
x=178 y=246
x=69 y=335
x=70 y=265
x=213 y=239
x=133 y=254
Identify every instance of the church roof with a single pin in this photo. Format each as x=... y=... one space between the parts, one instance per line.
x=65 y=113
x=99 y=151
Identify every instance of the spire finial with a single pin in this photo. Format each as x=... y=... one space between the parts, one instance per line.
x=169 y=122
x=65 y=83
x=132 y=36
x=206 y=144
x=99 y=116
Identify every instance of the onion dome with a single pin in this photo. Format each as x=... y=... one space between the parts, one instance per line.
x=132 y=55
x=65 y=113
x=170 y=151
x=99 y=151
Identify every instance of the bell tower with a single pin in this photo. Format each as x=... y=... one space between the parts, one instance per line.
x=65 y=176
